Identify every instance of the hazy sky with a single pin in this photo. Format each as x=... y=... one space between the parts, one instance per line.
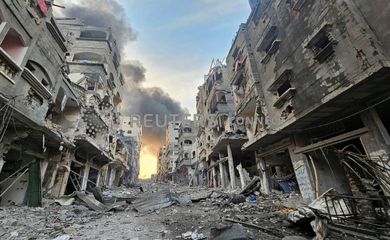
x=177 y=40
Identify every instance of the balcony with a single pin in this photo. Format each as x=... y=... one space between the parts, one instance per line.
x=8 y=67
x=284 y=97
x=36 y=84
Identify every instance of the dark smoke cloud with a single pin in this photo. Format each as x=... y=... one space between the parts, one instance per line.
x=142 y=101
x=134 y=71
x=104 y=13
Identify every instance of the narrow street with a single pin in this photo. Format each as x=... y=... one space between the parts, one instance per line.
x=195 y=213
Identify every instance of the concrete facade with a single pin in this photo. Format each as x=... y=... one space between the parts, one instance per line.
x=60 y=104
x=309 y=78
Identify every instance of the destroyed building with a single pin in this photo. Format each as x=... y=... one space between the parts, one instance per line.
x=60 y=105
x=38 y=121
x=311 y=89
x=221 y=136
x=170 y=152
x=93 y=62
x=177 y=158
x=308 y=82
x=130 y=135
x=186 y=161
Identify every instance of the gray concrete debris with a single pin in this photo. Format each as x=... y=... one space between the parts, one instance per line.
x=154 y=201
x=237 y=198
x=197 y=197
x=63 y=237
x=294 y=238
x=231 y=232
x=91 y=202
x=303 y=214
x=193 y=235
x=320 y=227
x=113 y=194
x=252 y=187
x=65 y=201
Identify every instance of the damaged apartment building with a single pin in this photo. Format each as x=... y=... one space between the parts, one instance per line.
x=60 y=105
x=306 y=89
x=219 y=141
x=177 y=158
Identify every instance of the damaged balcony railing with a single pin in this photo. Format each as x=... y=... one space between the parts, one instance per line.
x=369 y=216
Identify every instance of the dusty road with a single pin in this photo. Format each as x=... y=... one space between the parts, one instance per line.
x=198 y=219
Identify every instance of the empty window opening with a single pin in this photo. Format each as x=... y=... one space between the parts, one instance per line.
x=93 y=34
x=187 y=130
x=88 y=56
x=14 y=46
x=322 y=44
x=40 y=73
x=284 y=88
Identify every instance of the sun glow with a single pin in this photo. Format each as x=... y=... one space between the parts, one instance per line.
x=148 y=163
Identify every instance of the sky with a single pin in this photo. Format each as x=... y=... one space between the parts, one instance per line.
x=168 y=47
x=176 y=42
x=178 y=39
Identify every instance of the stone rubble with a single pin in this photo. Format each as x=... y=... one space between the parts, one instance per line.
x=198 y=220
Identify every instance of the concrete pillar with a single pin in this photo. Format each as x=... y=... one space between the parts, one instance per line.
x=60 y=176
x=222 y=171
x=264 y=175
x=99 y=178
x=231 y=167
x=43 y=168
x=242 y=177
x=303 y=175
x=377 y=142
x=214 y=171
x=2 y=162
x=85 y=177
x=111 y=179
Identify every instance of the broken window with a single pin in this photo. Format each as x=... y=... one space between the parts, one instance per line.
x=221 y=98
x=322 y=44
x=93 y=34
x=282 y=88
x=14 y=46
x=40 y=74
x=269 y=44
x=115 y=61
x=88 y=57
x=187 y=130
x=111 y=81
x=286 y=112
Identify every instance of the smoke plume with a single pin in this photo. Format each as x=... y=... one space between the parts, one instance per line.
x=155 y=101
x=134 y=71
x=103 y=13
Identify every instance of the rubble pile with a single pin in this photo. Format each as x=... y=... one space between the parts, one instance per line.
x=164 y=213
x=44 y=223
